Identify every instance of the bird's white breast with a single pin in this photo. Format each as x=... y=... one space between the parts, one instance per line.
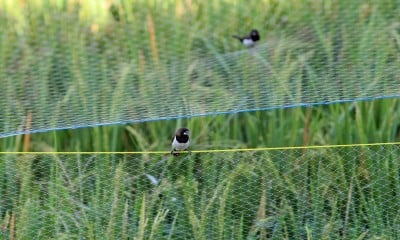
x=180 y=146
x=248 y=42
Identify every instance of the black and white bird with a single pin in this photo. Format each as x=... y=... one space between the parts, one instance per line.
x=180 y=141
x=250 y=39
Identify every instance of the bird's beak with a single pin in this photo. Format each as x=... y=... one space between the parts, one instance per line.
x=186 y=133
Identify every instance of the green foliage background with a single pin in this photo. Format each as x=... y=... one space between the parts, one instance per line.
x=338 y=193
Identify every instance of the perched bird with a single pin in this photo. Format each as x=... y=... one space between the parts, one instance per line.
x=250 y=39
x=180 y=141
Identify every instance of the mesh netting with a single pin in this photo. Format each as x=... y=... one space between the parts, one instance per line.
x=337 y=193
x=70 y=64
x=66 y=66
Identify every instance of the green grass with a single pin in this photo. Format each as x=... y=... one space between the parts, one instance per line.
x=106 y=63
x=315 y=50
x=330 y=193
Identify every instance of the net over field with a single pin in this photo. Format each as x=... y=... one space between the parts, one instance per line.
x=70 y=65
x=335 y=193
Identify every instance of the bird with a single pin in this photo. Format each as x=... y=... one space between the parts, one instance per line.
x=250 y=39
x=180 y=141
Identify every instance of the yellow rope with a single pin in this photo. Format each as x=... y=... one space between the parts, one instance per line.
x=221 y=150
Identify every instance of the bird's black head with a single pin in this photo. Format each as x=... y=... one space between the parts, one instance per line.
x=254 y=35
x=182 y=134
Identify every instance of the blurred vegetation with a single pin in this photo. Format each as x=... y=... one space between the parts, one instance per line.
x=330 y=193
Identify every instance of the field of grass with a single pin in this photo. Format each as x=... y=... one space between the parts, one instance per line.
x=70 y=49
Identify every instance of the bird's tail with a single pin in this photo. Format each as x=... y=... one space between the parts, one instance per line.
x=235 y=36
x=174 y=153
